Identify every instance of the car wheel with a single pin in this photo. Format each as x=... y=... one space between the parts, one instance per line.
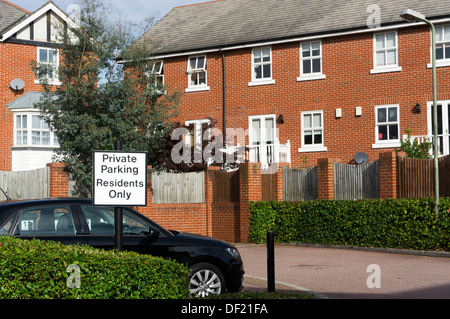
x=206 y=279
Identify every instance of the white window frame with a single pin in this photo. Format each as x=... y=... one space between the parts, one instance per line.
x=55 y=79
x=159 y=74
x=263 y=81
x=385 y=67
x=440 y=62
x=311 y=75
x=196 y=70
x=390 y=142
x=29 y=143
x=318 y=147
x=198 y=136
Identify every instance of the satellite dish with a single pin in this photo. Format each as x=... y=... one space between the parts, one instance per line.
x=361 y=158
x=17 y=84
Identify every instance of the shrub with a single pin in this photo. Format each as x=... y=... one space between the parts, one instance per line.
x=393 y=223
x=38 y=270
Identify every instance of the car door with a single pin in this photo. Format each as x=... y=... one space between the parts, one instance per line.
x=138 y=235
x=51 y=222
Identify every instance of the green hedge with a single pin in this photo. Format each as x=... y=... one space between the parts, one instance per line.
x=38 y=270
x=394 y=223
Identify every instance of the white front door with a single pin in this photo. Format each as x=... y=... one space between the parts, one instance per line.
x=443 y=125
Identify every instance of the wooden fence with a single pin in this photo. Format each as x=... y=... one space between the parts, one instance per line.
x=178 y=188
x=352 y=182
x=415 y=177
x=25 y=184
x=300 y=184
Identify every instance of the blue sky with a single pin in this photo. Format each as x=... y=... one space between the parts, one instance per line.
x=133 y=10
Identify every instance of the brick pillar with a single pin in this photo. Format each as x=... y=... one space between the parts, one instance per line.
x=387 y=164
x=59 y=180
x=325 y=178
x=209 y=192
x=279 y=194
x=250 y=190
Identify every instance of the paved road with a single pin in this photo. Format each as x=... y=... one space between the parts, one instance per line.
x=344 y=274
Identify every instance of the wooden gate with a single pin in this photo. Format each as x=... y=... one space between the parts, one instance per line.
x=352 y=182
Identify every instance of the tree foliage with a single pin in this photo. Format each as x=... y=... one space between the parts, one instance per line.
x=108 y=93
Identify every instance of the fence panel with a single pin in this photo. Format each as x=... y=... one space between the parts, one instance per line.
x=25 y=184
x=225 y=187
x=352 y=182
x=178 y=188
x=444 y=176
x=300 y=184
x=268 y=186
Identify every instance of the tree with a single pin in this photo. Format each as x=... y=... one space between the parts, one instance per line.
x=109 y=92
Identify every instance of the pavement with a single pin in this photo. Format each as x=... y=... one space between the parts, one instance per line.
x=349 y=272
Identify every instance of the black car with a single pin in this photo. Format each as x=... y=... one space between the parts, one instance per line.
x=216 y=265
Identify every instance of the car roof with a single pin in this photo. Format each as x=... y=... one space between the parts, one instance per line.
x=15 y=203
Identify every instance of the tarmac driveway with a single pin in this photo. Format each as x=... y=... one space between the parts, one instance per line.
x=350 y=273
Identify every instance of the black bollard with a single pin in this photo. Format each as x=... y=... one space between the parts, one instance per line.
x=270 y=262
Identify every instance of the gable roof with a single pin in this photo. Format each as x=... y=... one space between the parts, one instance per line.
x=9 y=14
x=25 y=20
x=26 y=101
x=227 y=23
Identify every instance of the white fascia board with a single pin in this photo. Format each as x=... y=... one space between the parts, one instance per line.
x=301 y=39
x=37 y=14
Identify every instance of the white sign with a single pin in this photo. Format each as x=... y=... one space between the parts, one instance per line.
x=120 y=178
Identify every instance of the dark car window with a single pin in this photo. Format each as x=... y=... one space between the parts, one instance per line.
x=46 y=221
x=100 y=221
x=6 y=228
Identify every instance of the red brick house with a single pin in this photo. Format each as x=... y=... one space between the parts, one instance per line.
x=26 y=141
x=309 y=80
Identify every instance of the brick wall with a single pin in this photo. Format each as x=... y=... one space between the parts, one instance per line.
x=347 y=61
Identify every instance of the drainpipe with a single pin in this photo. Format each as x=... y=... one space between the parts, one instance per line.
x=224 y=100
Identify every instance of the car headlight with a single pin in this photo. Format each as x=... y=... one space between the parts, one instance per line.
x=234 y=252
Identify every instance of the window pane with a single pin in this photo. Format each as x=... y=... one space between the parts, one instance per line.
x=18 y=121
x=24 y=137
x=316 y=66
x=382 y=133
x=35 y=138
x=306 y=50
x=266 y=55
x=317 y=120
x=201 y=63
x=257 y=56
x=317 y=137
x=267 y=71
x=307 y=66
x=256 y=127
x=51 y=56
x=315 y=48
x=35 y=121
x=45 y=138
x=202 y=78
x=391 y=57
x=392 y=114
x=24 y=121
x=43 y=55
x=447 y=33
x=307 y=120
x=381 y=60
x=439 y=51
x=258 y=72
x=381 y=115
x=308 y=137
x=447 y=51
x=393 y=132
x=390 y=40
x=269 y=131
x=192 y=63
x=379 y=38
x=46 y=221
x=439 y=35
x=19 y=138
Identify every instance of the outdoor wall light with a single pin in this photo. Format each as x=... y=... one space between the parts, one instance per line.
x=416 y=109
x=280 y=119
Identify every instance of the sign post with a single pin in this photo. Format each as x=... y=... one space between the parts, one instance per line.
x=119 y=179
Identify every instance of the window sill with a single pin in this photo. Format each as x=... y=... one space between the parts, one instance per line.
x=439 y=64
x=34 y=147
x=312 y=149
x=387 y=145
x=311 y=77
x=197 y=89
x=261 y=82
x=386 y=70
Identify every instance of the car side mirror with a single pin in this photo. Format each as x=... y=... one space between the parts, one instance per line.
x=153 y=233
